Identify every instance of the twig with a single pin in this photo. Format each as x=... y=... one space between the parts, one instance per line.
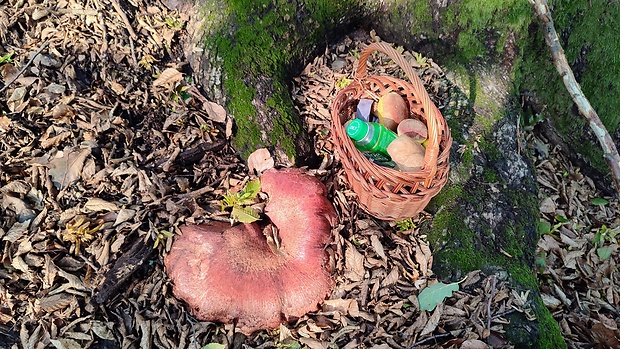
x=493 y=290
x=77 y=11
x=120 y=11
x=507 y=312
x=541 y=8
x=191 y=323
x=25 y=67
x=104 y=29
x=133 y=53
x=429 y=339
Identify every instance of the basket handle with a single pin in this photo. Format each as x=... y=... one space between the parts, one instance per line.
x=430 y=157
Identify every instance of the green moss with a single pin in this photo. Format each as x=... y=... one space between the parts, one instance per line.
x=549 y=333
x=488 y=110
x=481 y=22
x=255 y=40
x=458 y=249
x=489 y=175
x=468 y=158
x=418 y=12
x=549 y=329
x=455 y=249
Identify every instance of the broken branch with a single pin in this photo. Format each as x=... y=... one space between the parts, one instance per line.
x=25 y=67
x=541 y=8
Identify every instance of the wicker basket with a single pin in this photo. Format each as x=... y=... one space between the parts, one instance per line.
x=384 y=192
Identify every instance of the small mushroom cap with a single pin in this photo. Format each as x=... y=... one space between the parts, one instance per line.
x=230 y=274
x=407 y=153
x=413 y=128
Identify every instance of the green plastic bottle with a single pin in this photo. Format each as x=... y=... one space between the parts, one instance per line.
x=370 y=137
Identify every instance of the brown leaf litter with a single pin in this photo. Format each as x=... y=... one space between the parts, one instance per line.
x=104 y=143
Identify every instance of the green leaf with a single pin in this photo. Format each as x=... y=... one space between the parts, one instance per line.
x=561 y=218
x=244 y=214
x=599 y=201
x=405 y=225
x=541 y=261
x=604 y=252
x=435 y=294
x=214 y=346
x=229 y=200
x=342 y=82
x=599 y=237
x=252 y=188
x=544 y=228
x=247 y=195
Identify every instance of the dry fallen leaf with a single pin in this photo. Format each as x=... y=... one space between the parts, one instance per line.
x=5 y=124
x=344 y=306
x=474 y=344
x=66 y=167
x=55 y=302
x=98 y=205
x=433 y=320
x=168 y=76
x=260 y=160
x=354 y=262
x=65 y=343
x=216 y=112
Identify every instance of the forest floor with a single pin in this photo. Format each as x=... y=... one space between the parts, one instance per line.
x=107 y=147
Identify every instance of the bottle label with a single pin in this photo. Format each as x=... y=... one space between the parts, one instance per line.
x=380 y=159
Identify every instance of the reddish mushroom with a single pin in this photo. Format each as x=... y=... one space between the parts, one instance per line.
x=230 y=274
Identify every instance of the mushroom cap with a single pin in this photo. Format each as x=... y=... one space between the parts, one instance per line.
x=230 y=274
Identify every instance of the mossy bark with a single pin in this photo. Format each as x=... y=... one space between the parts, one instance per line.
x=244 y=53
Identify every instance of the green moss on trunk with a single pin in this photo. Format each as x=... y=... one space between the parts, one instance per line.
x=262 y=42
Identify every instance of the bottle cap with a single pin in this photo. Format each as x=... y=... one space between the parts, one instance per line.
x=356 y=129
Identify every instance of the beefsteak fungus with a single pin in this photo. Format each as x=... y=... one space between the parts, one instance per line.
x=231 y=274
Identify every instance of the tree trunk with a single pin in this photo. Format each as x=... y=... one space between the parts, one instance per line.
x=485 y=217
x=244 y=55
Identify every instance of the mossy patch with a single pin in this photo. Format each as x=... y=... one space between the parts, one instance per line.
x=481 y=27
x=502 y=236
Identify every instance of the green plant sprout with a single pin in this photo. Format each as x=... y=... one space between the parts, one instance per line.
x=7 y=58
x=422 y=61
x=161 y=237
x=173 y=23
x=241 y=201
x=79 y=232
x=601 y=237
x=545 y=228
x=406 y=224
x=342 y=83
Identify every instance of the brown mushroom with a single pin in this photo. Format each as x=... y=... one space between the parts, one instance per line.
x=231 y=274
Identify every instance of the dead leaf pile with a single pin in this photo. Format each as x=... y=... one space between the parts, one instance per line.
x=105 y=149
x=578 y=252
